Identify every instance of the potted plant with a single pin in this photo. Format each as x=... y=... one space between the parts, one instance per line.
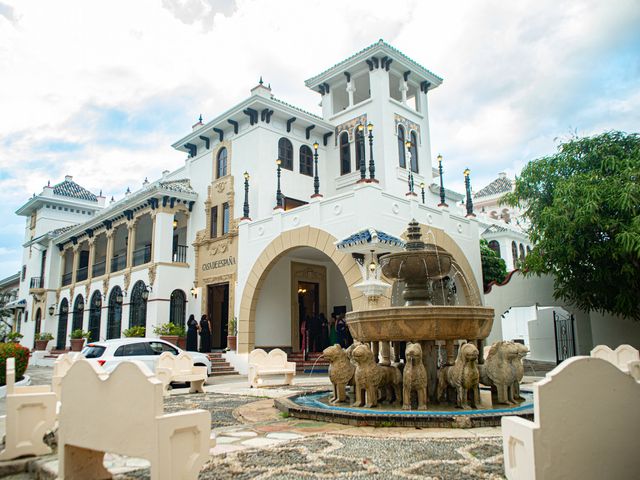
x=42 y=339
x=169 y=332
x=14 y=337
x=182 y=338
x=77 y=339
x=135 y=332
x=232 y=339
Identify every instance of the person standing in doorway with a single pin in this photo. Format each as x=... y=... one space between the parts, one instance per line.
x=341 y=331
x=333 y=336
x=192 y=334
x=205 y=335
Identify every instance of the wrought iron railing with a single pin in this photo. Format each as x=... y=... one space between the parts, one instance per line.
x=66 y=278
x=36 y=282
x=142 y=255
x=180 y=254
x=119 y=262
x=82 y=274
x=99 y=268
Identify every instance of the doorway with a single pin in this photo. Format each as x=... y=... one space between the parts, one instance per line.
x=308 y=310
x=218 y=313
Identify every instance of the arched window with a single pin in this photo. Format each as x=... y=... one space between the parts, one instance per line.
x=63 y=316
x=528 y=250
x=514 y=253
x=78 y=312
x=177 y=308
x=359 y=136
x=414 y=152
x=306 y=161
x=285 y=153
x=221 y=163
x=114 y=315
x=345 y=154
x=138 y=306
x=495 y=246
x=38 y=321
x=401 y=150
x=521 y=252
x=95 y=312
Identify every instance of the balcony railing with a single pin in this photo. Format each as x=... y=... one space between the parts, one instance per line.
x=180 y=254
x=99 y=268
x=142 y=255
x=119 y=262
x=82 y=274
x=36 y=282
x=66 y=278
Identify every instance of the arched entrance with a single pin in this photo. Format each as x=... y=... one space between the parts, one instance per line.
x=38 y=326
x=78 y=313
x=138 y=305
x=315 y=240
x=95 y=312
x=114 y=315
x=177 y=308
x=63 y=316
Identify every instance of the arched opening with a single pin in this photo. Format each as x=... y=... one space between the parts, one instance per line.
x=221 y=163
x=521 y=252
x=38 y=320
x=306 y=161
x=495 y=246
x=63 y=317
x=285 y=153
x=402 y=159
x=138 y=305
x=514 y=254
x=119 y=251
x=177 y=308
x=95 y=312
x=114 y=315
x=414 y=152
x=82 y=272
x=78 y=313
x=345 y=154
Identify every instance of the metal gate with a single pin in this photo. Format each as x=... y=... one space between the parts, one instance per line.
x=565 y=336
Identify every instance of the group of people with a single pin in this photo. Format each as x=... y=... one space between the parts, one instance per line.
x=195 y=329
x=318 y=332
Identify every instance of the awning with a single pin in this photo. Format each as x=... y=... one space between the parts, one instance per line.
x=16 y=304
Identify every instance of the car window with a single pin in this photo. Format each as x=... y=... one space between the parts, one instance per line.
x=93 y=351
x=132 y=350
x=158 y=347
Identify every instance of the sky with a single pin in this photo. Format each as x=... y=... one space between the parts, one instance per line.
x=100 y=90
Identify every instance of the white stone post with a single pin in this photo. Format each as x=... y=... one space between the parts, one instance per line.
x=162 y=237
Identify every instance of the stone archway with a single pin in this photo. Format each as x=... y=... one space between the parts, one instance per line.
x=300 y=237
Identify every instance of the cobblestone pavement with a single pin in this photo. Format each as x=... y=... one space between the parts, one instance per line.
x=220 y=406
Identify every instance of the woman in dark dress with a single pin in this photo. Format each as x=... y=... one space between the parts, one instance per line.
x=205 y=335
x=192 y=334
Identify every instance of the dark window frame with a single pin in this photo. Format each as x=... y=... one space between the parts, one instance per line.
x=345 y=154
x=138 y=306
x=226 y=220
x=306 y=161
x=213 y=228
x=402 y=154
x=285 y=153
x=414 y=152
x=221 y=163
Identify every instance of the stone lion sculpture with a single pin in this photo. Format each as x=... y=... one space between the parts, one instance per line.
x=369 y=377
x=498 y=370
x=414 y=377
x=341 y=372
x=463 y=376
x=518 y=368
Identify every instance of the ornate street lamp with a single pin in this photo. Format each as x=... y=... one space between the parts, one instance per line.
x=278 y=191
x=245 y=207
x=145 y=293
x=410 y=176
x=442 y=198
x=52 y=310
x=372 y=166
x=422 y=189
x=467 y=184
x=360 y=146
x=316 y=179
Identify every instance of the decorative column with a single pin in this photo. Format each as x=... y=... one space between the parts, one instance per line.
x=74 y=265
x=278 y=191
x=109 y=255
x=403 y=90
x=360 y=147
x=410 y=172
x=442 y=198
x=372 y=165
x=92 y=257
x=316 y=178
x=131 y=227
x=467 y=185
x=350 y=88
x=162 y=249
x=385 y=353
x=245 y=206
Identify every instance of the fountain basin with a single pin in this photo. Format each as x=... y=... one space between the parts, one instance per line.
x=431 y=263
x=424 y=322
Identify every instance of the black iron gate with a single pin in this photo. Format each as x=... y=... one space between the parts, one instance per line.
x=565 y=336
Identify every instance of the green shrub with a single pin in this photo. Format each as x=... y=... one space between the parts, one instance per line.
x=79 y=333
x=17 y=351
x=44 y=336
x=134 y=332
x=167 y=329
x=14 y=337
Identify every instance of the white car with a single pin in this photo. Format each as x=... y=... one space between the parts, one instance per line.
x=110 y=353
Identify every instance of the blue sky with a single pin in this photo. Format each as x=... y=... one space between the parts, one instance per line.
x=99 y=90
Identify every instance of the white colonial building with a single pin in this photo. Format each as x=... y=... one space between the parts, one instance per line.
x=192 y=242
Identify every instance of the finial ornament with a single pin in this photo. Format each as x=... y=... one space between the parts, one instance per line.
x=200 y=118
x=260 y=82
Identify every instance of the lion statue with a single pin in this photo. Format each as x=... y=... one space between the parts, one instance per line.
x=463 y=376
x=369 y=377
x=341 y=372
x=414 y=377
x=518 y=368
x=498 y=370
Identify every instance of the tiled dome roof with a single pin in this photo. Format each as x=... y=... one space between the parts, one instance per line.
x=69 y=188
x=500 y=185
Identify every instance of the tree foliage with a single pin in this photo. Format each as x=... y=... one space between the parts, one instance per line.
x=493 y=267
x=584 y=207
